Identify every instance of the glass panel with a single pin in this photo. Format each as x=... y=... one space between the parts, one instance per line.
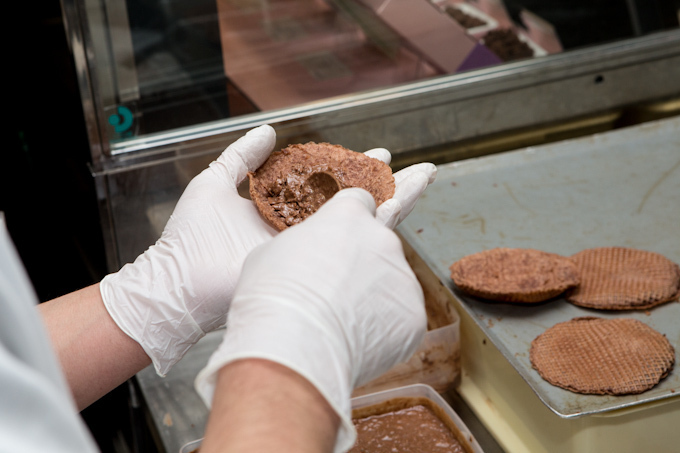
x=167 y=64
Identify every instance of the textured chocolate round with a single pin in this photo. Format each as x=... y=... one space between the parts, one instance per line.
x=294 y=182
x=514 y=275
x=602 y=356
x=621 y=278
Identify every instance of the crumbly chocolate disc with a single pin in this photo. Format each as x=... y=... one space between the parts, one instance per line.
x=602 y=356
x=294 y=182
x=620 y=278
x=514 y=275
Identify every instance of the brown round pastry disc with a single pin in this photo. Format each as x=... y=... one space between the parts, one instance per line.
x=514 y=275
x=294 y=182
x=602 y=356
x=620 y=278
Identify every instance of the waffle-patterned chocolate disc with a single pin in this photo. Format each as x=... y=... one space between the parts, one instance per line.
x=602 y=356
x=514 y=275
x=620 y=278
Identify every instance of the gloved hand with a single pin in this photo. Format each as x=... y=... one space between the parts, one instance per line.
x=410 y=183
x=181 y=287
x=332 y=298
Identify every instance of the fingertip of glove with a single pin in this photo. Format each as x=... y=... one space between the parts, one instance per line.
x=264 y=130
x=381 y=154
x=262 y=137
x=426 y=169
x=431 y=171
x=414 y=185
x=355 y=193
x=246 y=154
x=389 y=212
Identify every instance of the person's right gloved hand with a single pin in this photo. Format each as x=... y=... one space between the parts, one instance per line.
x=410 y=183
x=332 y=298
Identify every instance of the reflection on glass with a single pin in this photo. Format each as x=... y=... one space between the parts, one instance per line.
x=204 y=60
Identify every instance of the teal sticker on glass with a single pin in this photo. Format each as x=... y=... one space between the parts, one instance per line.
x=122 y=120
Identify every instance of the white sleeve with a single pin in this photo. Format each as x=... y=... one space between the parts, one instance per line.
x=37 y=411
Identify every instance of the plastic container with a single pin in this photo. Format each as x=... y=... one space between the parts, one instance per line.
x=370 y=405
x=378 y=403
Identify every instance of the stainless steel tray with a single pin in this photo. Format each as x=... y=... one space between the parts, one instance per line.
x=620 y=188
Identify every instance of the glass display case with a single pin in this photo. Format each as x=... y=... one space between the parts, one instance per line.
x=167 y=84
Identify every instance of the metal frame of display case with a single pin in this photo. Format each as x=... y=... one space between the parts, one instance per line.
x=437 y=113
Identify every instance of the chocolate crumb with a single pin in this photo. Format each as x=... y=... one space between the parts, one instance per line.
x=465 y=20
x=506 y=45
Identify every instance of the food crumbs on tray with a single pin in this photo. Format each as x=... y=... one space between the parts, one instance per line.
x=167 y=419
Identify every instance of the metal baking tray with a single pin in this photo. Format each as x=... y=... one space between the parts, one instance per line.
x=619 y=188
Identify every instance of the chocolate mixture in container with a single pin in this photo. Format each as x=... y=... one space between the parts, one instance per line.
x=294 y=182
x=413 y=429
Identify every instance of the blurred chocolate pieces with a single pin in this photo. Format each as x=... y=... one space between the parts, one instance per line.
x=507 y=46
x=465 y=20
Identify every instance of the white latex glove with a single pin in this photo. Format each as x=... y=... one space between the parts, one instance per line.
x=332 y=298
x=410 y=183
x=182 y=286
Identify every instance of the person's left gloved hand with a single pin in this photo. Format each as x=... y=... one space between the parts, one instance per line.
x=181 y=287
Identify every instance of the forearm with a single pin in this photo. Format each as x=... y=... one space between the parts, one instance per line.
x=95 y=355
x=261 y=406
